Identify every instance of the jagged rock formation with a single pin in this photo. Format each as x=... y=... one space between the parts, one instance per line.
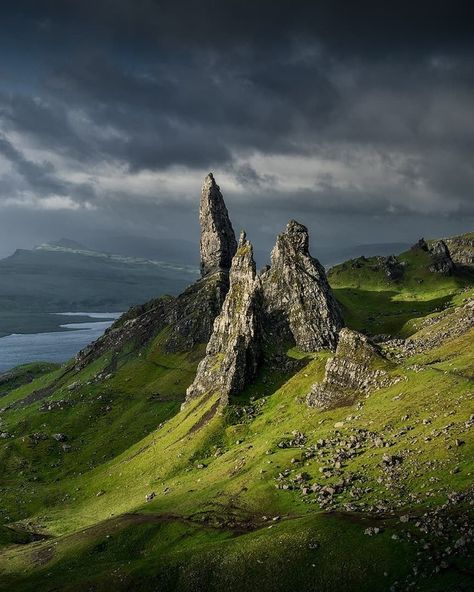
x=393 y=268
x=353 y=370
x=238 y=315
x=299 y=305
x=218 y=244
x=233 y=351
x=190 y=316
x=442 y=262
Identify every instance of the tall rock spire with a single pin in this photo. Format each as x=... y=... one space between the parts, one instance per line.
x=299 y=305
x=232 y=352
x=218 y=244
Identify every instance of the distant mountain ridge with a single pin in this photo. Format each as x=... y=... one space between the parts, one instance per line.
x=70 y=246
x=66 y=276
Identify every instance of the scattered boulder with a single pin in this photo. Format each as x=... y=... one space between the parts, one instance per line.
x=59 y=437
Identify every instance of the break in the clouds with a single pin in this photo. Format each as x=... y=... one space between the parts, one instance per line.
x=356 y=117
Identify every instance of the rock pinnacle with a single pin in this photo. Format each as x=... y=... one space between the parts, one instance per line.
x=218 y=244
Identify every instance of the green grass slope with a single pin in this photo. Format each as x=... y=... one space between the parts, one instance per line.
x=372 y=302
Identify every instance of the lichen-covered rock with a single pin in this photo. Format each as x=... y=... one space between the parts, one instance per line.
x=234 y=348
x=441 y=259
x=218 y=244
x=299 y=305
x=353 y=370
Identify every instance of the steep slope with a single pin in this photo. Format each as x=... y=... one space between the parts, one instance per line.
x=396 y=453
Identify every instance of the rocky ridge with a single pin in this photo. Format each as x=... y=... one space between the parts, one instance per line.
x=441 y=261
x=461 y=249
x=288 y=304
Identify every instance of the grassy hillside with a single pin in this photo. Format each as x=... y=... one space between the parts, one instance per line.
x=266 y=494
x=374 y=303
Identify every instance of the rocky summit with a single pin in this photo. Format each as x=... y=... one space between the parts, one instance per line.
x=299 y=306
x=218 y=244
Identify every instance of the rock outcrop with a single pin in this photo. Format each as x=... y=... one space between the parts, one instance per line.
x=299 y=306
x=233 y=351
x=441 y=259
x=461 y=249
x=239 y=314
x=353 y=370
x=218 y=244
x=393 y=268
x=190 y=316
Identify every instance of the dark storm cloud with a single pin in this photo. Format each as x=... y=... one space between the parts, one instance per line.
x=144 y=86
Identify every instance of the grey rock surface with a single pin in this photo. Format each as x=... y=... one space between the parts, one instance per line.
x=233 y=351
x=442 y=262
x=353 y=370
x=299 y=305
x=218 y=244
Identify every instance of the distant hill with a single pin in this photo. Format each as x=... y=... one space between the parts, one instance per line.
x=66 y=276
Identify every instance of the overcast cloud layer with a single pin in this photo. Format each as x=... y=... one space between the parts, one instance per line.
x=355 y=118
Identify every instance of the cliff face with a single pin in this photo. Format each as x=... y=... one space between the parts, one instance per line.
x=190 y=316
x=233 y=351
x=291 y=303
x=218 y=244
x=440 y=256
x=351 y=371
x=299 y=305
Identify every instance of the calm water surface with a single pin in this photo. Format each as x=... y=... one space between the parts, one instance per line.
x=57 y=346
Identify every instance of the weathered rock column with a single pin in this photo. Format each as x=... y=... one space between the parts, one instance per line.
x=218 y=244
x=233 y=351
x=298 y=301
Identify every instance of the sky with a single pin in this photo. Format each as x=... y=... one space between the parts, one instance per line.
x=355 y=118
